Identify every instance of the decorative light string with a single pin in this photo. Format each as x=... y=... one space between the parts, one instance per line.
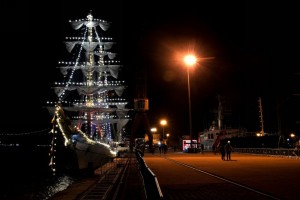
x=62 y=96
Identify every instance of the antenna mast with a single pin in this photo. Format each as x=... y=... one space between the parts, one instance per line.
x=261 y=116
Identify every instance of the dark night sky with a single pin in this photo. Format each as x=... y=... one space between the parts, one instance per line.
x=253 y=45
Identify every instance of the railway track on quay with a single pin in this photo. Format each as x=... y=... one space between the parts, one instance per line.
x=109 y=182
x=121 y=181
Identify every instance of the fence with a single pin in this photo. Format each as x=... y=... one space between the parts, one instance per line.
x=271 y=152
x=153 y=191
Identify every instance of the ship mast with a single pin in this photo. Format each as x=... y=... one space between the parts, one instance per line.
x=261 y=116
x=89 y=77
x=220 y=113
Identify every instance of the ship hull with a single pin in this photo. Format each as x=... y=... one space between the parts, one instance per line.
x=81 y=156
x=92 y=156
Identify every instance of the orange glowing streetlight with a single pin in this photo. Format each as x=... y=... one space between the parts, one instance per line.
x=292 y=135
x=163 y=123
x=190 y=60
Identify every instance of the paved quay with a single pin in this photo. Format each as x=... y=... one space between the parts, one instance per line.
x=206 y=176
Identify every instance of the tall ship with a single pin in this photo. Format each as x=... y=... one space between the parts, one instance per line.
x=89 y=113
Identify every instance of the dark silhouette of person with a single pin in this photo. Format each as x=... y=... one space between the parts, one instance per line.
x=165 y=148
x=153 y=149
x=160 y=148
x=222 y=151
x=228 y=149
x=202 y=148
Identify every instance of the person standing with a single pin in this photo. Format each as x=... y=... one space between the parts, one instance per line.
x=160 y=148
x=202 y=148
x=228 y=149
x=222 y=151
x=165 y=148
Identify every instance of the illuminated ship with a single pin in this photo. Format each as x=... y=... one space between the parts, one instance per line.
x=90 y=114
x=211 y=138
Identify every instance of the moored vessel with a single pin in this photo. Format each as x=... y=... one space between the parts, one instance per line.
x=90 y=113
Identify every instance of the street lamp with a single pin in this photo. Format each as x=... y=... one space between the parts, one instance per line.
x=163 y=122
x=168 y=134
x=190 y=60
x=155 y=139
x=292 y=135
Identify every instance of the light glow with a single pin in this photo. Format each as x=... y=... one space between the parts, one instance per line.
x=190 y=60
x=153 y=129
x=292 y=135
x=163 y=122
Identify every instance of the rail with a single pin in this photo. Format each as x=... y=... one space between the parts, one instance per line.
x=153 y=191
x=109 y=181
x=291 y=153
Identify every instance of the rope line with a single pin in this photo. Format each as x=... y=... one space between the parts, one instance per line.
x=26 y=133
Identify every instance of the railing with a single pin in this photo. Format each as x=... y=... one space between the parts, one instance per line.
x=153 y=191
x=294 y=153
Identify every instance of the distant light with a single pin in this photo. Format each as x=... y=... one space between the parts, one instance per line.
x=292 y=135
x=153 y=129
x=259 y=134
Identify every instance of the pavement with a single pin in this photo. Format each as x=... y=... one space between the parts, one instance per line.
x=274 y=177
x=246 y=177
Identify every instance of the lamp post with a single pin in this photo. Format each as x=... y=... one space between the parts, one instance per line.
x=292 y=135
x=163 y=122
x=155 y=141
x=168 y=134
x=189 y=61
x=154 y=130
